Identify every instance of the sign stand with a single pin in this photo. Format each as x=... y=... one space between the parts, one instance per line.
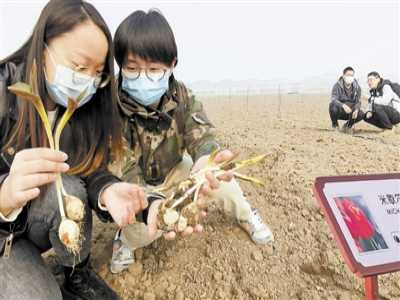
x=371 y=287
x=369 y=274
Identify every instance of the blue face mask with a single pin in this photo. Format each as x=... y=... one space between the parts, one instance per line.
x=63 y=87
x=143 y=90
x=68 y=83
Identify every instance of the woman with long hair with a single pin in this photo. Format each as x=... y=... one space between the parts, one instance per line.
x=71 y=49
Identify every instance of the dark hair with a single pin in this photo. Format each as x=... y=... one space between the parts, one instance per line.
x=375 y=74
x=96 y=133
x=147 y=35
x=348 y=69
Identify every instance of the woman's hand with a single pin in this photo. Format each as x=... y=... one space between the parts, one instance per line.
x=213 y=182
x=123 y=201
x=153 y=223
x=31 y=169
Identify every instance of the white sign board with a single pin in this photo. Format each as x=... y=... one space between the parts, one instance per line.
x=368 y=214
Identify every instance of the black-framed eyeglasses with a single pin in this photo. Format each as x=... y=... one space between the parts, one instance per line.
x=152 y=74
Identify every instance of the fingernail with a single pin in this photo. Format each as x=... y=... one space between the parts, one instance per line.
x=65 y=167
x=65 y=155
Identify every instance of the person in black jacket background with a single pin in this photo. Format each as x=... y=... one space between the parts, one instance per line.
x=346 y=101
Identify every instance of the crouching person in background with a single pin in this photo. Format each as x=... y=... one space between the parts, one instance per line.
x=346 y=101
x=384 y=103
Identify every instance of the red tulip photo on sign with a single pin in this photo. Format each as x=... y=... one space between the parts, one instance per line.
x=361 y=224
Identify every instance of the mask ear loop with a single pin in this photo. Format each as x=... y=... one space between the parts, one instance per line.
x=52 y=60
x=51 y=55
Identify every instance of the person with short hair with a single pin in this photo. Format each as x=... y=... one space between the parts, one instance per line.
x=346 y=101
x=168 y=134
x=384 y=103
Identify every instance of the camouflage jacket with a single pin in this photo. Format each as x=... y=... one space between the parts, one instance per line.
x=156 y=139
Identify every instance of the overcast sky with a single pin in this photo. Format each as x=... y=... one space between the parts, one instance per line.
x=220 y=40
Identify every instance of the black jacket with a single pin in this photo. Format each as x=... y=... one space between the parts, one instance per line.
x=10 y=74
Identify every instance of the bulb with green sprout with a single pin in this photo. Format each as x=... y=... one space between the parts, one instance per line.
x=180 y=208
x=73 y=212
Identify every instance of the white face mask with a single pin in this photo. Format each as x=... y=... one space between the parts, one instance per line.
x=68 y=83
x=348 y=79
